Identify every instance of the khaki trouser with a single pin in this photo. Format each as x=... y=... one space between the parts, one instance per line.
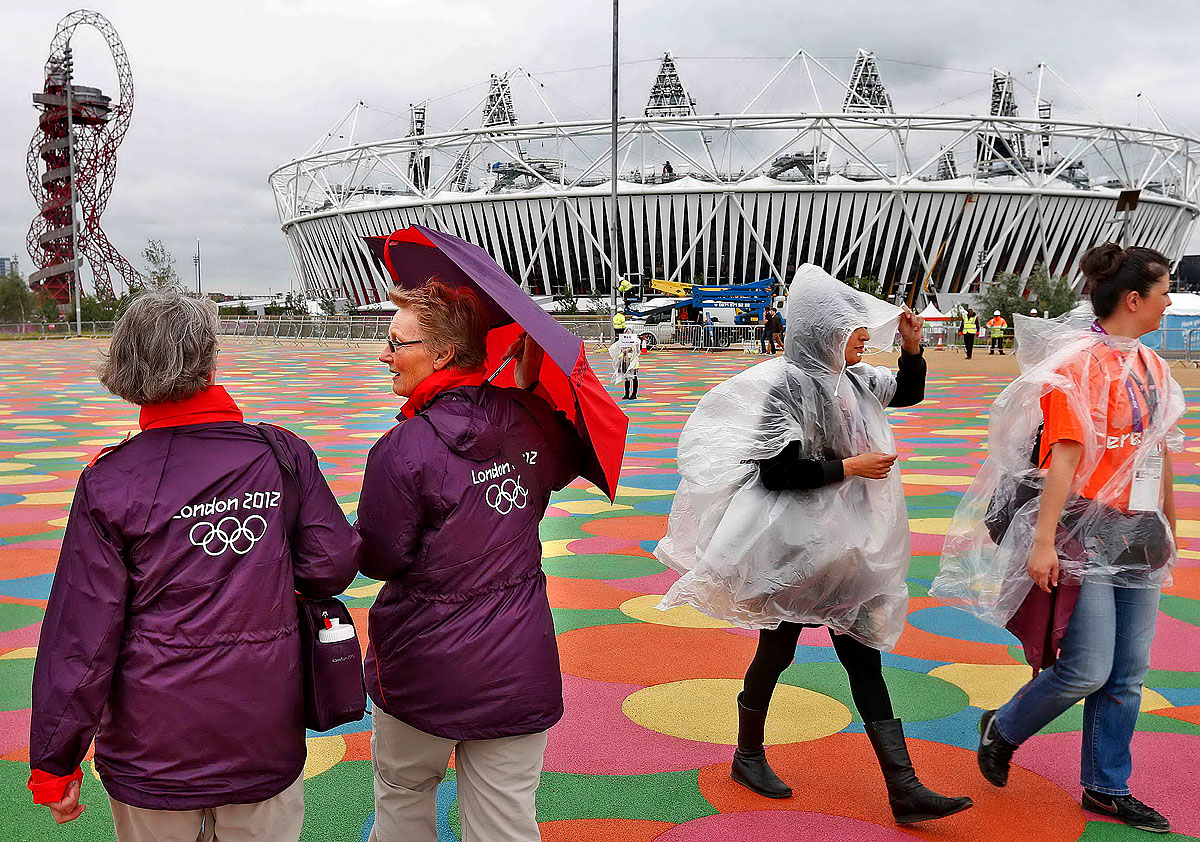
x=497 y=780
x=277 y=819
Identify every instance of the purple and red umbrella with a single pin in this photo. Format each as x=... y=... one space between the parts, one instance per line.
x=415 y=255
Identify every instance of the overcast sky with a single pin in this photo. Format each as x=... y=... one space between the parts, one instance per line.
x=229 y=90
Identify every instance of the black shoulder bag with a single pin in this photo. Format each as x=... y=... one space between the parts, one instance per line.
x=334 y=692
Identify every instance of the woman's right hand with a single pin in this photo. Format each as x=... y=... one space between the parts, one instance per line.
x=869 y=465
x=1043 y=566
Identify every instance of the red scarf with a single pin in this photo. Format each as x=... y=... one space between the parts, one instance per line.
x=435 y=384
x=213 y=404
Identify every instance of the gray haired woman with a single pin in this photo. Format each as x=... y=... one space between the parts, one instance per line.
x=171 y=632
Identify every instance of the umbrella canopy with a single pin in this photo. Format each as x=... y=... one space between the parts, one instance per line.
x=416 y=255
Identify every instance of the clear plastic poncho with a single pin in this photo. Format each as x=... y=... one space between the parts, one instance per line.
x=1124 y=403
x=834 y=556
x=626 y=355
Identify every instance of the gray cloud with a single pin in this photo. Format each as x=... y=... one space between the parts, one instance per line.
x=227 y=91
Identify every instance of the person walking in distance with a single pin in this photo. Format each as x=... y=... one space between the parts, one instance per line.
x=970 y=329
x=790 y=514
x=996 y=326
x=775 y=327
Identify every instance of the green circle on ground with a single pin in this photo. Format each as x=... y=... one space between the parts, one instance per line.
x=16 y=684
x=13 y=615
x=916 y=697
x=608 y=566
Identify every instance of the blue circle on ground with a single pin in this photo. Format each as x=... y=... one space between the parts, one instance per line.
x=659 y=507
x=952 y=622
x=658 y=482
x=9 y=499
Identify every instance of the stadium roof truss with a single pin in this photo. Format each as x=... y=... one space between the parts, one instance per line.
x=866 y=148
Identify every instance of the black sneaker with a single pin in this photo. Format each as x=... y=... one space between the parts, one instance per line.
x=995 y=753
x=1127 y=809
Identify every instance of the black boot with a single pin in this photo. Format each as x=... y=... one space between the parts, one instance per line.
x=750 y=767
x=911 y=800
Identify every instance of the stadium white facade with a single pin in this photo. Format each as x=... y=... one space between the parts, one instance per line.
x=927 y=202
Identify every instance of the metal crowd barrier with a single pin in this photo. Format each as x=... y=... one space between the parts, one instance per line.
x=1180 y=346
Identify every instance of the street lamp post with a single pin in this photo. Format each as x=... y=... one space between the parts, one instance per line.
x=612 y=216
x=196 y=260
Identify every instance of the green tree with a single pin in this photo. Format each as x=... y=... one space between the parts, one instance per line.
x=329 y=306
x=99 y=308
x=16 y=299
x=46 y=309
x=238 y=309
x=566 y=302
x=866 y=283
x=1003 y=294
x=161 y=265
x=1051 y=295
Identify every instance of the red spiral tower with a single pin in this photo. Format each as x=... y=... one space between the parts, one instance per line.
x=73 y=159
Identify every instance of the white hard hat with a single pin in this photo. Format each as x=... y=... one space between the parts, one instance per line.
x=997 y=313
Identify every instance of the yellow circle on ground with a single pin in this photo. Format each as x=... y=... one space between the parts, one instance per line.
x=705 y=710
x=323 y=754
x=14 y=466
x=48 y=498
x=588 y=507
x=24 y=479
x=930 y=525
x=51 y=454
x=935 y=479
x=557 y=547
x=645 y=608
x=988 y=686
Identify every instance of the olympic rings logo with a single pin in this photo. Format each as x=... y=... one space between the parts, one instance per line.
x=228 y=534
x=508 y=495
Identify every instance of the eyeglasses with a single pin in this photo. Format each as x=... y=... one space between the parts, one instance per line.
x=395 y=345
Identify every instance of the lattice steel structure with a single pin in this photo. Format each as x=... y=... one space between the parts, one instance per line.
x=668 y=97
x=906 y=197
x=76 y=153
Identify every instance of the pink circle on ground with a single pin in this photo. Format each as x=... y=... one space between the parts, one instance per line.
x=594 y=736
x=21 y=638
x=1176 y=645
x=927 y=544
x=654 y=583
x=761 y=825
x=14 y=730
x=597 y=546
x=1164 y=772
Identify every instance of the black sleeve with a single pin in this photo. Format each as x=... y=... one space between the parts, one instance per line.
x=910 y=380
x=786 y=471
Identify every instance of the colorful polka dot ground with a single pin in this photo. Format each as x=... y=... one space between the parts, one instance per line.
x=643 y=751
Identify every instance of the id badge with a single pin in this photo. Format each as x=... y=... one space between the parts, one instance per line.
x=1146 y=488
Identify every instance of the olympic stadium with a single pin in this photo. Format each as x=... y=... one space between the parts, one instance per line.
x=934 y=201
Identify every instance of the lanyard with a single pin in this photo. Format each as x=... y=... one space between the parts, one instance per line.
x=1135 y=404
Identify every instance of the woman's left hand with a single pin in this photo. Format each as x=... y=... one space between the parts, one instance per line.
x=910 y=331
x=527 y=358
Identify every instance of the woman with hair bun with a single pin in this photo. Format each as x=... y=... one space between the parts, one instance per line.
x=1076 y=498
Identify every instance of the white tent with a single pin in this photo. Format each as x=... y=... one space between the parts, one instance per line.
x=931 y=312
x=1184 y=304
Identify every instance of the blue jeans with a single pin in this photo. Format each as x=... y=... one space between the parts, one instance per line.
x=1103 y=660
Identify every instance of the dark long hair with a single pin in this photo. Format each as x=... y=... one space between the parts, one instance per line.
x=1112 y=271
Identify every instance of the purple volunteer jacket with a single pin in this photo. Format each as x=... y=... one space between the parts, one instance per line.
x=461 y=639
x=171 y=625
